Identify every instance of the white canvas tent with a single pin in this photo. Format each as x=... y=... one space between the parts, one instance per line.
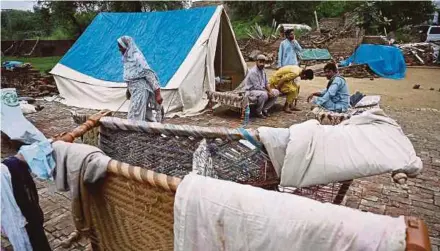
x=186 y=48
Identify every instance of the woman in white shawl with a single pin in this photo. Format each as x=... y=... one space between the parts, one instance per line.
x=142 y=82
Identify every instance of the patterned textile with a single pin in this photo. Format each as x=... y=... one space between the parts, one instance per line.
x=177 y=130
x=232 y=99
x=135 y=64
x=141 y=81
x=202 y=160
x=327 y=117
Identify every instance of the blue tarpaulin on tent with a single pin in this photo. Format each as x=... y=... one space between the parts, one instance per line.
x=165 y=38
x=385 y=61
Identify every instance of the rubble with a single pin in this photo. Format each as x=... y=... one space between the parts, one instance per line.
x=420 y=53
x=354 y=71
x=28 y=82
x=339 y=35
x=416 y=86
x=252 y=47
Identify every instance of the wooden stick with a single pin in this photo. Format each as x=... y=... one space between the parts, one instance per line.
x=92 y=121
x=317 y=22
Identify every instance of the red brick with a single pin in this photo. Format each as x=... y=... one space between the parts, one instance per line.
x=426 y=206
x=380 y=209
x=425 y=199
x=437 y=200
x=427 y=186
x=421 y=212
x=352 y=202
x=400 y=199
x=394 y=211
x=435 y=241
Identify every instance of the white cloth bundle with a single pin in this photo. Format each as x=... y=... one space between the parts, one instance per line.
x=211 y=214
x=367 y=144
x=14 y=124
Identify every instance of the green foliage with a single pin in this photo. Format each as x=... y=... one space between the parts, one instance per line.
x=281 y=11
x=60 y=33
x=43 y=64
x=242 y=27
x=17 y=24
x=372 y=15
x=335 y=8
x=68 y=19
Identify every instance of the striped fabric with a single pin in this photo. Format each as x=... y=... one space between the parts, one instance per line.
x=232 y=99
x=176 y=130
x=168 y=183
x=333 y=118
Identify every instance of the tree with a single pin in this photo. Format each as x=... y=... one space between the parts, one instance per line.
x=74 y=16
x=18 y=25
x=409 y=13
x=374 y=16
x=281 y=11
x=336 y=8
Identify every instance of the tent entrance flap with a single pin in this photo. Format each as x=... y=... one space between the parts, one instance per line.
x=227 y=62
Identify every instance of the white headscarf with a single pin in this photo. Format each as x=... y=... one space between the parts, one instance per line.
x=135 y=64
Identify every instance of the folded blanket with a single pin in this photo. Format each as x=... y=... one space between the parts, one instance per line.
x=212 y=214
x=76 y=166
x=368 y=144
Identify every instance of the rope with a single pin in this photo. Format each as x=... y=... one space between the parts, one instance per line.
x=249 y=137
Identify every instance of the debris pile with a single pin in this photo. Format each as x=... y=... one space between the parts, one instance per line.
x=252 y=47
x=354 y=71
x=332 y=29
x=420 y=53
x=28 y=82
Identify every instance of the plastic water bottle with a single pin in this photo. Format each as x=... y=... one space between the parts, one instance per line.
x=247 y=113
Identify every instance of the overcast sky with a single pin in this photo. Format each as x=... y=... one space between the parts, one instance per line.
x=18 y=5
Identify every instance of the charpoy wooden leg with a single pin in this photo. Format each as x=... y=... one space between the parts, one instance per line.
x=342 y=192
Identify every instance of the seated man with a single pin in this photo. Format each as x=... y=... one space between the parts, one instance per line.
x=257 y=88
x=336 y=96
x=286 y=80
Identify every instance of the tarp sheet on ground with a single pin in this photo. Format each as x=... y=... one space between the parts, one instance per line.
x=315 y=54
x=385 y=61
x=186 y=48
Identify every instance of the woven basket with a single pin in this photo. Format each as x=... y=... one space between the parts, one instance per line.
x=129 y=213
x=132 y=207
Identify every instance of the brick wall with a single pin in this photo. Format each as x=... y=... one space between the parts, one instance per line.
x=44 y=48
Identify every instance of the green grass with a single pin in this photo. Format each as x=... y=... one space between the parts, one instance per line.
x=43 y=64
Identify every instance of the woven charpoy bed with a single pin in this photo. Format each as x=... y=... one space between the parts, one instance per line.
x=326 y=117
x=132 y=209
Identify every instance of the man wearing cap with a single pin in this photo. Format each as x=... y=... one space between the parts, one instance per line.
x=288 y=50
x=257 y=88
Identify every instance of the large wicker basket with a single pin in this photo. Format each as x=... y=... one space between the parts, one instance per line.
x=132 y=207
